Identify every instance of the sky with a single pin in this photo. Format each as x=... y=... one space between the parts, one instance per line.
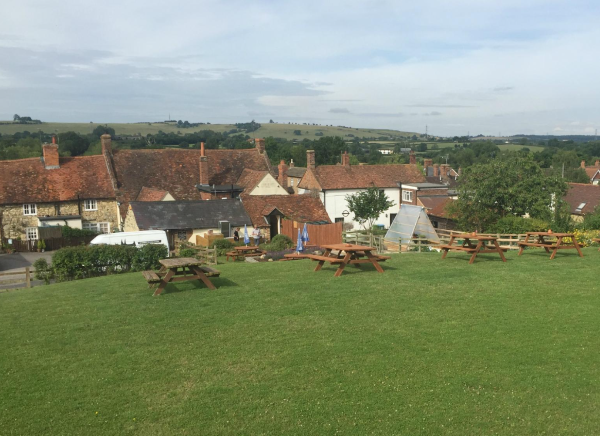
x=458 y=67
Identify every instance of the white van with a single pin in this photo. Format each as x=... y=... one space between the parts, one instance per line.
x=138 y=239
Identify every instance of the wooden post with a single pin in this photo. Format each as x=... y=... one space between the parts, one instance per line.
x=27 y=278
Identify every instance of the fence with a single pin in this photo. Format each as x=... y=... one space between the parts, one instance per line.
x=51 y=244
x=365 y=239
x=27 y=280
x=318 y=234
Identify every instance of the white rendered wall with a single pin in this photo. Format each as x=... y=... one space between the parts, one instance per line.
x=335 y=203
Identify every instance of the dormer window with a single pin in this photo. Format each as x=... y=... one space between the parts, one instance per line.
x=29 y=209
x=407 y=196
x=90 y=205
x=580 y=207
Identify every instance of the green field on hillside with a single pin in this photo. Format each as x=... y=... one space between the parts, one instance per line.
x=430 y=347
x=276 y=130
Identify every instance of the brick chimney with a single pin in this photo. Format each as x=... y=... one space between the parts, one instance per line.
x=291 y=163
x=444 y=169
x=203 y=165
x=106 y=141
x=436 y=170
x=310 y=159
x=413 y=159
x=426 y=164
x=282 y=177
x=260 y=145
x=597 y=164
x=50 y=152
x=346 y=159
x=583 y=164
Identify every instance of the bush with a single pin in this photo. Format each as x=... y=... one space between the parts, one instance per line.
x=281 y=242
x=43 y=271
x=82 y=262
x=70 y=232
x=517 y=224
x=222 y=246
x=187 y=252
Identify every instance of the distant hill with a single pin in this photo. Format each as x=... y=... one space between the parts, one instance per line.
x=266 y=129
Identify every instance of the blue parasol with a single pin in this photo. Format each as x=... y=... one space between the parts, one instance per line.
x=299 y=246
x=305 y=234
x=246 y=237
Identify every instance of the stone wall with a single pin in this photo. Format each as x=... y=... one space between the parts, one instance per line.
x=130 y=224
x=14 y=222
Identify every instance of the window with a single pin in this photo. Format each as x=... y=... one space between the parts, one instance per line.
x=407 y=196
x=29 y=209
x=339 y=220
x=32 y=233
x=90 y=205
x=182 y=235
x=580 y=207
x=291 y=182
x=97 y=227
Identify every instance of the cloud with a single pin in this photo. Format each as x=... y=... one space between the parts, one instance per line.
x=381 y=115
x=339 y=110
x=503 y=88
x=433 y=114
x=440 y=105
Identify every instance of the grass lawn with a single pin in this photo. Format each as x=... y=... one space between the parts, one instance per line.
x=428 y=347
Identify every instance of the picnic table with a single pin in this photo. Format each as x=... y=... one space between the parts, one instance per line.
x=245 y=251
x=539 y=239
x=347 y=254
x=180 y=270
x=485 y=244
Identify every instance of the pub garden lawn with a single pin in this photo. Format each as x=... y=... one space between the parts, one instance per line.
x=428 y=347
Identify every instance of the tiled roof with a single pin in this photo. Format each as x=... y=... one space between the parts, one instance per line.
x=436 y=205
x=580 y=193
x=27 y=181
x=591 y=171
x=250 y=178
x=362 y=176
x=178 y=171
x=151 y=194
x=302 y=208
x=180 y=215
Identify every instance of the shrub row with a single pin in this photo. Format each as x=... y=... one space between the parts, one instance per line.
x=95 y=260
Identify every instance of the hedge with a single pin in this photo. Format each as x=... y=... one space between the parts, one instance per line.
x=95 y=260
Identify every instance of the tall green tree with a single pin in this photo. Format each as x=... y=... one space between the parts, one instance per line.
x=72 y=144
x=368 y=205
x=512 y=184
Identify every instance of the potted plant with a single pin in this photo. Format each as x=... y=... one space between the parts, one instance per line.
x=41 y=245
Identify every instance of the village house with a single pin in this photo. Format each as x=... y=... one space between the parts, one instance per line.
x=185 y=221
x=268 y=211
x=582 y=199
x=444 y=173
x=294 y=175
x=54 y=190
x=592 y=172
x=332 y=183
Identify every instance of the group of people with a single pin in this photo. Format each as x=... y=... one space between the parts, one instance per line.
x=255 y=234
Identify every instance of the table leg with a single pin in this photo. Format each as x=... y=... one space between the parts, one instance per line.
x=340 y=269
x=322 y=262
x=499 y=250
x=203 y=277
x=166 y=279
x=576 y=244
x=474 y=255
x=373 y=260
x=445 y=250
x=522 y=247
x=558 y=243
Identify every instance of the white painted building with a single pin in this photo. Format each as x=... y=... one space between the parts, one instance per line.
x=334 y=182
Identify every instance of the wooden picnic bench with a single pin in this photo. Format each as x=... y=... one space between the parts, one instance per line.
x=485 y=244
x=347 y=254
x=243 y=252
x=178 y=270
x=539 y=240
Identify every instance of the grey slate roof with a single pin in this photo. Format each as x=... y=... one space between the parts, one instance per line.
x=296 y=172
x=181 y=215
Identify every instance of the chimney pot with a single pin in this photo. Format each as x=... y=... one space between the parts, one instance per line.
x=202 y=149
x=597 y=163
x=203 y=165
x=583 y=164
x=106 y=141
x=413 y=159
x=346 y=159
x=54 y=139
x=282 y=176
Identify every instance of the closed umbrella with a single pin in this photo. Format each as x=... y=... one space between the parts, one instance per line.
x=246 y=237
x=299 y=246
x=305 y=234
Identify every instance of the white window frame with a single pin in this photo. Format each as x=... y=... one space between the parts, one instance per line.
x=104 y=228
x=30 y=209
x=32 y=233
x=100 y=228
x=407 y=195
x=89 y=205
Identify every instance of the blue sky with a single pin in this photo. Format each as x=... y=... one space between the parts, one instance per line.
x=461 y=66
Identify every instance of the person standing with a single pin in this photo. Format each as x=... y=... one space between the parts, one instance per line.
x=236 y=235
x=256 y=236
